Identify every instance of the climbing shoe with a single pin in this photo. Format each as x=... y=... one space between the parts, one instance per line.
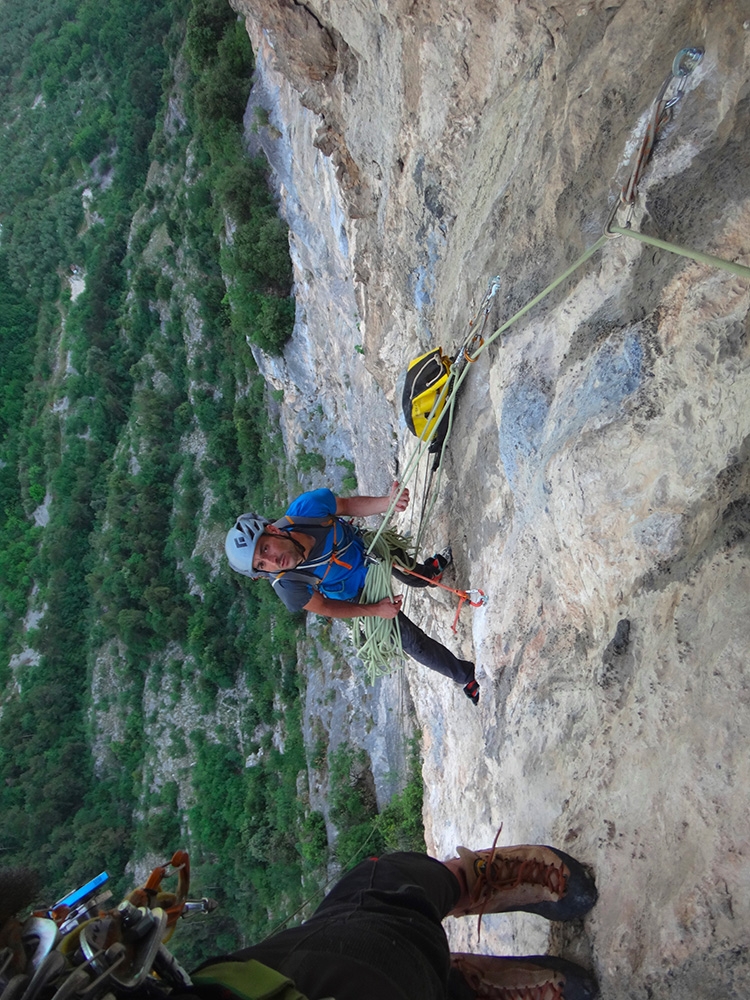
x=445 y=558
x=531 y=878
x=433 y=570
x=535 y=977
x=471 y=690
x=434 y=567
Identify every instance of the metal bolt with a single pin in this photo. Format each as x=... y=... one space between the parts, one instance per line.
x=686 y=60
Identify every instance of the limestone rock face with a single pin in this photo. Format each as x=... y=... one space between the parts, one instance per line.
x=597 y=486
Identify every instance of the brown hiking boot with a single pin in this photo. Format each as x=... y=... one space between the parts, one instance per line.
x=532 y=878
x=535 y=977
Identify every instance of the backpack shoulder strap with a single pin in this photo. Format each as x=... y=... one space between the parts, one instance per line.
x=296 y=576
x=305 y=522
x=339 y=547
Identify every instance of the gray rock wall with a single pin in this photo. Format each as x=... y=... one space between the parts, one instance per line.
x=598 y=472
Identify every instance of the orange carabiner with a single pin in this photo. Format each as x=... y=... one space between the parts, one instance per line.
x=462 y=595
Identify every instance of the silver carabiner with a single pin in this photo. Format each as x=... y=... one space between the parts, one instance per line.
x=686 y=60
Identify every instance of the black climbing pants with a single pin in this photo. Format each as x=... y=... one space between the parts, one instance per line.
x=417 y=644
x=414 y=581
x=376 y=936
x=433 y=654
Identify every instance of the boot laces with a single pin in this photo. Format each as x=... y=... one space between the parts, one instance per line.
x=546 y=991
x=505 y=873
x=496 y=872
x=485 y=989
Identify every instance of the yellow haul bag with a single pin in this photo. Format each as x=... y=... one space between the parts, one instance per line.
x=426 y=377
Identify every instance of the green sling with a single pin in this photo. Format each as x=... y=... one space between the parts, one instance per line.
x=249 y=980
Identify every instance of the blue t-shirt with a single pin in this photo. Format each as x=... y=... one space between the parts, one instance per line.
x=339 y=582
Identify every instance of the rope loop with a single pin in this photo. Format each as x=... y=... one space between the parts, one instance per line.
x=683 y=65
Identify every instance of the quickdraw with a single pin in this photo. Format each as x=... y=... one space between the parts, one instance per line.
x=661 y=112
x=463 y=595
x=465 y=354
x=475 y=339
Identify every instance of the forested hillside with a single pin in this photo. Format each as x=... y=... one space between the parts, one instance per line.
x=140 y=247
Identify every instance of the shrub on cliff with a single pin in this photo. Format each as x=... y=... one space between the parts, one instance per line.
x=256 y=260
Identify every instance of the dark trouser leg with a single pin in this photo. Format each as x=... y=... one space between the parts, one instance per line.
x=404 y=872
x=433 y=654
x=425 y=884
x=458 y=988
x=377 y=934
x=413 y=581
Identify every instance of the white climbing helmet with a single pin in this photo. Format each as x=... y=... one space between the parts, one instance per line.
x=241 y=541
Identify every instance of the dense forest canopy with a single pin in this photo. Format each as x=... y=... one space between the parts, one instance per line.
x=137 y=676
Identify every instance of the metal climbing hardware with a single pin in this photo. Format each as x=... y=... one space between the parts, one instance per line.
x=463 y=597
x=475 y=339
x=683 y=65
x=83 y=947
x=668 y=96
x=686 y=60
x=439 y=420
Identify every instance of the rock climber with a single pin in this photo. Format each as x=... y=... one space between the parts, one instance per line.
x=377 y=935
x=317 y=562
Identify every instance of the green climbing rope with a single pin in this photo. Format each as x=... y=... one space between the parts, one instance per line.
x=696 y=255
x=378 y=640
x=449 y=394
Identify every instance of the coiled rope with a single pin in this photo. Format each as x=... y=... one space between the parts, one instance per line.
x=378 y=640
